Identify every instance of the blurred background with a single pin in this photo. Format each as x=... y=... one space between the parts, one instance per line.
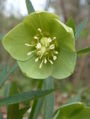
x=12 y=12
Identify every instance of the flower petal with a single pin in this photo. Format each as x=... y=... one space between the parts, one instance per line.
x=32 y=70
x=40 y=20
x=65 y=64
x=64 y=34
x=14 y=41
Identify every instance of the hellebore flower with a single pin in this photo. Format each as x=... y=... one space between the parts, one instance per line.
x=43 y=46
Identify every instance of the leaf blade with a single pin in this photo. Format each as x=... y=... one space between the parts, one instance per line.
x=36 y=105
x=80 y=28
x=29 y=6
x=23 y=97
x=4 y=75
x=83 y=51
x=71 y=23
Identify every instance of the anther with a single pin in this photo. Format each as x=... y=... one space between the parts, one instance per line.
x=29 y=53
x=35 y=37
x=49 y=40
x=27 y=44
x=39 y=30
x=50 y=61
x=56 y=52
x=52 y=47
x=36 y=60
x=41 y=64
x=45 y=61
x=54 y=38
x=38 y=46
x=54 y=58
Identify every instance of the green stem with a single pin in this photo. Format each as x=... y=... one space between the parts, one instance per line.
x=49 y=100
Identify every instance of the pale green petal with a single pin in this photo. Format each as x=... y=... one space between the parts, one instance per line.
x=14 y=41
x=40 y=20
x=31 y=69
x=64 y=34
x=65 y=64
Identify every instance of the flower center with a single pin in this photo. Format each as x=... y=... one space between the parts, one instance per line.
x=44 y=47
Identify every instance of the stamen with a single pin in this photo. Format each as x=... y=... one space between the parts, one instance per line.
x=54 y=38
x=56 y=52
x=52 y=47
x=36 y=60
x=45 y=61
x=49 y=40
x=41 y=64
x=54 y=58
x=28 y=45
x=39 y=30
x=50 y=61
x=35 y=37
x=38 y=46
x=29 y=53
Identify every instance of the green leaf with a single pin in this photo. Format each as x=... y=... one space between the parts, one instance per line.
x=13 y=110
x=22 y=112
x=29 y=6
x=71 y=23
x=73 y=111
x=49 y=100
x=23 y=97
x=83 y=51
x=74 y=99
x=80 y=28
x=5 y=74
x=36 y=105
x=1 y=36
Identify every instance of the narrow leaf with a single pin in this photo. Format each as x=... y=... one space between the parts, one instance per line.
x=5 y=74
x=80 y=28
x=36 y=105
x=71 y=23
x=13 y=110
x=74 y=99
x=49 y=100
x=29 y=6
x=23 y=97
x=83 y=51
x=1 y=36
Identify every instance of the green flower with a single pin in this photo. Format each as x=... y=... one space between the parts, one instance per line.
x=43 y=46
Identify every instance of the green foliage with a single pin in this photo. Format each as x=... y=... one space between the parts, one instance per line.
x=80 y=28
x=29 y=6
x=37 y=104
x=12 y=110
x=23 y=97
x=5 y=73
x=73 y=111
x=83 y=51
x=71 y=23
